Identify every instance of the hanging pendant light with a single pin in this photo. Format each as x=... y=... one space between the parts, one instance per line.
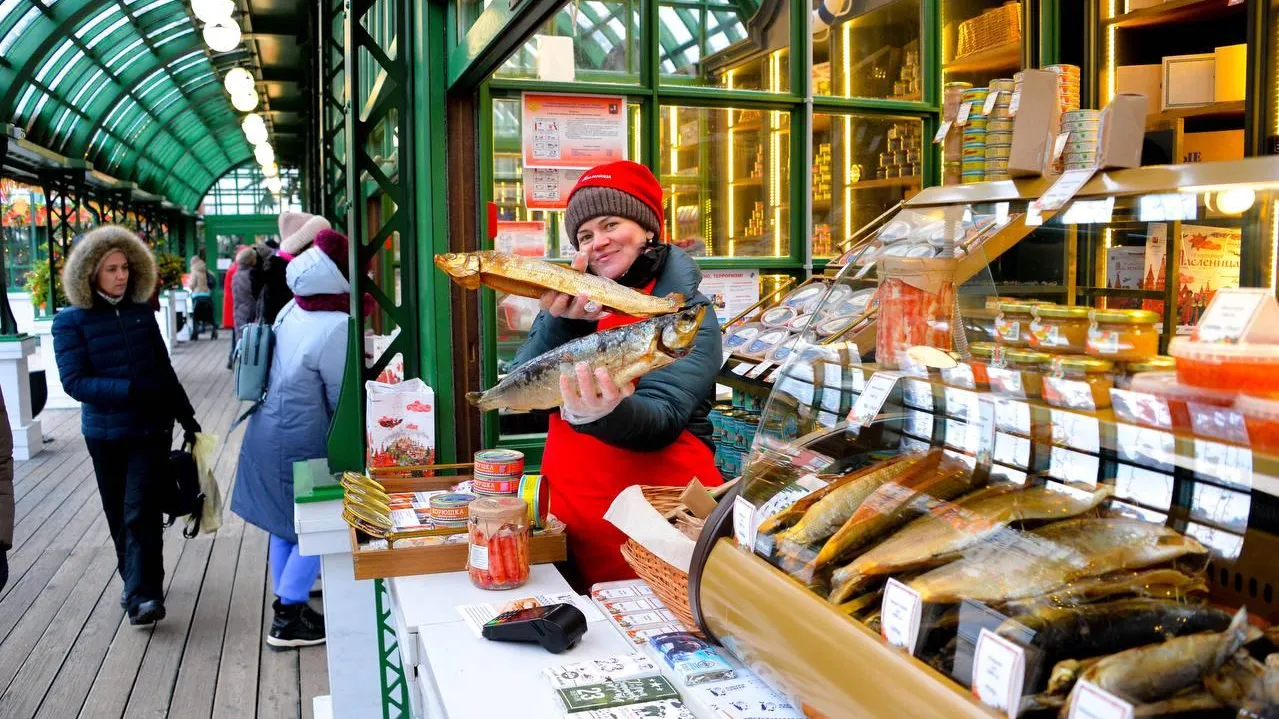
x=271 y=169
x=211 y=11
x=222 y=35
x=245 y=102
x=264 y=153
x=274 y=185
x=254 y=129
x=238 y=81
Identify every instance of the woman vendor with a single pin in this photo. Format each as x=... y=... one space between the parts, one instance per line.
x=604 y=437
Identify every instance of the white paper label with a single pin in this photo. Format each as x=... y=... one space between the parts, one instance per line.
x=943 y=130
x=872 y=399
x=900 y=615
x=1056 y=197
x=1074 y=466
x=760 y=369
x=1089 y=701
x=999 y=670
x=1229 y=315
x=478 y=557
x=773 y=375
x=918 y=393
x=744 y=523
x=991 y=100
x=1059 y=145
x=741 y=369
x=919 y=424
x=1014 y=104
x=965 y=110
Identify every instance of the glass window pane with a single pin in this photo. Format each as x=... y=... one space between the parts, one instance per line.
x=870 y=53
x=707 y=44
x=726 y=177
x=981 y=40
x=601 y=36
x=862 y=165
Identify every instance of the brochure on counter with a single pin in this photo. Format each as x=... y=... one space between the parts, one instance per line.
x=477 y=615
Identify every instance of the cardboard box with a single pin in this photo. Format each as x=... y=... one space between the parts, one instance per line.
x=1231 y=73
x=1037 y=125
x=1212 y=146
x=1189 y=80
x=1145 y=80
x=1123 y=128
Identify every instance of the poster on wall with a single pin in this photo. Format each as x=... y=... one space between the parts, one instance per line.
x=572 y=131
x=548 y=188
x=730 y=291
x=1208 y=260
x=1125 y=267
x=527 y=239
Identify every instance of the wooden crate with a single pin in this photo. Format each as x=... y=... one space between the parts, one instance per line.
x=408 y=561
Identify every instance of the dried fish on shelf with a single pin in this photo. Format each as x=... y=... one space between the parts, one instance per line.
x=1153 y=584
x=529 y=277
x=953 y=528
x=1016 y=565
x=1110 y=627
x=788 y=517
x=627 y=353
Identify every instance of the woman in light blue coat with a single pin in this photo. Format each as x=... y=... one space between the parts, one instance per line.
x=293 y=424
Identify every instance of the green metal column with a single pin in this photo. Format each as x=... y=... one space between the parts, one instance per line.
x=332 y=165
x=8 y=324
x=63 y=192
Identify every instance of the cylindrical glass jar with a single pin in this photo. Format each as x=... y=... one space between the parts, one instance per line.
x=1012 y=325
x=1059 y=329
x=498 y=542
x=1079 y=382
x=1020 y=374
x=1123 y=335
x=972 y=374
x=1127 y=370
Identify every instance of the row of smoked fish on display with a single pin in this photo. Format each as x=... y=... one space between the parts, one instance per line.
x=1119 y=602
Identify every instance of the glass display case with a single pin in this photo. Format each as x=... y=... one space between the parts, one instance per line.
x=981 y=40
x=871 y=50
x=996 y=482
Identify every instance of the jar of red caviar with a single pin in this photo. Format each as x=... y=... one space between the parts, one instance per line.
x=1123 y=335
x=498 y=543
x=1059 y=329
x=1262 y=418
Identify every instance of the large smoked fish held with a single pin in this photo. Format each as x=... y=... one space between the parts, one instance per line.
x=528 y=277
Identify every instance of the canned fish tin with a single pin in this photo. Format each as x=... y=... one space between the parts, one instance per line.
x=495 y=486
x=535 y=490
x=1002 y=85
x=499 y=462
x=450 y=510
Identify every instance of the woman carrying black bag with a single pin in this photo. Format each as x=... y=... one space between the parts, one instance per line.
x=112 y=359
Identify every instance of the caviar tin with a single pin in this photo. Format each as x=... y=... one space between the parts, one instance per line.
x=499 y=463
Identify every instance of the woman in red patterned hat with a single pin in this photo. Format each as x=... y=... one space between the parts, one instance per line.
x=605 y=437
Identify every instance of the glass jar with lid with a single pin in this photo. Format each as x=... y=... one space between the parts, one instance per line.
x=1012 y=325
x=1059 y=329
x=971 y=374
x=1079 y=382
x=498 y=543
x=1018 y=373
x=1123 y=335
x=1126 y=371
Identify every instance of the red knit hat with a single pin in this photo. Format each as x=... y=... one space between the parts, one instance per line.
x=624 y=189
x=335 y=245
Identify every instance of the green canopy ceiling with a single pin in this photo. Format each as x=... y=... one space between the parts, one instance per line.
x=126 y=84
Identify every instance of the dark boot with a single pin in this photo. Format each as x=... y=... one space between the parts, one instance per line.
x=147 y=613
x=295 y=625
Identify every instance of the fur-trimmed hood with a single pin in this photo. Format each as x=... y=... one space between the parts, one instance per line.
x=82 y=265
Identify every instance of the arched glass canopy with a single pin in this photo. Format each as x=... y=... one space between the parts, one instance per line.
x=126 y=84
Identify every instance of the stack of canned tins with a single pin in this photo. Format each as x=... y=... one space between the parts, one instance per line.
x=1067 y=85
x=973 y=152
x=449 y=511
x=1081 y=147
x=952 y=160
x=498 y=472
x=999 y=131
x=735 y=424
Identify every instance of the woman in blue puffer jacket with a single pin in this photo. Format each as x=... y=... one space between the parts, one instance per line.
x=112 y=359
x=307 y=365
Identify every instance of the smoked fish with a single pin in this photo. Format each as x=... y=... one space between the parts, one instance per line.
x=529 y=277
x=788 y=517
x=1109 y=627
x=1158 y=671
x=1016 y=565
x=627 y=353
x=957 y=526
x=1154 y=584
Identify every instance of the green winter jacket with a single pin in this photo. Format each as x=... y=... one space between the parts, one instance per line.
x=666 y=401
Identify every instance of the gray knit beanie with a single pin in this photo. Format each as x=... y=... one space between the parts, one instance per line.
x=587 y=203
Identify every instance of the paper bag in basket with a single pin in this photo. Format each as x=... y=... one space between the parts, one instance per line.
x=400 y=422
x=631 y=513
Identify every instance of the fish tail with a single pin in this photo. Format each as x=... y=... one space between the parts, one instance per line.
x=845 y=586
x=477 y=399
x=1233 y=638
x=677 y=298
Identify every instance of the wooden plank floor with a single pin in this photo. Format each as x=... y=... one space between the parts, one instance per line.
x=66 y=650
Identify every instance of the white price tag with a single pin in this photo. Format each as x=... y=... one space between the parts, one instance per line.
x=918 y=393
x=872 y=399
x=961 y=404
x=1056 y=197
x=741 y=369
x=1074 y=466
x=1012 y=415
x=760 y=369
x=724 y=360
x=999 y=671
x=1014 y=104
x=1059 y=145
x=943 y=130
x=965 y=110
x=744 y=523
x=900 y=615
x=919 y=424
x=1089 y=701
x=1001 y=213
x=1229 y=315
x=773 y=375
x=991 y=100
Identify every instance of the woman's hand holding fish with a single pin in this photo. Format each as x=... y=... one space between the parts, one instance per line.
x=569 y=307
x=590 y=396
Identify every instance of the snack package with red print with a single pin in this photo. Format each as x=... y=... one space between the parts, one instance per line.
x=400 y=421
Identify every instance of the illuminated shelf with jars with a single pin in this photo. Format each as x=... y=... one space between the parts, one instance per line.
x=981 y=40
x=870 y=53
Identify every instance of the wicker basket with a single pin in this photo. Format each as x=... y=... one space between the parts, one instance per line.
x=668 y=583
x=993 y=28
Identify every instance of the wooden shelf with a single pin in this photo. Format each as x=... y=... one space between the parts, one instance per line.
x=1003 y=57
x=911 y=181
x=1176 y=11
x=1216 y=109
x=748 y=182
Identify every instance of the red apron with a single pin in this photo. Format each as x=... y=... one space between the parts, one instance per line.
x=586 y=475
